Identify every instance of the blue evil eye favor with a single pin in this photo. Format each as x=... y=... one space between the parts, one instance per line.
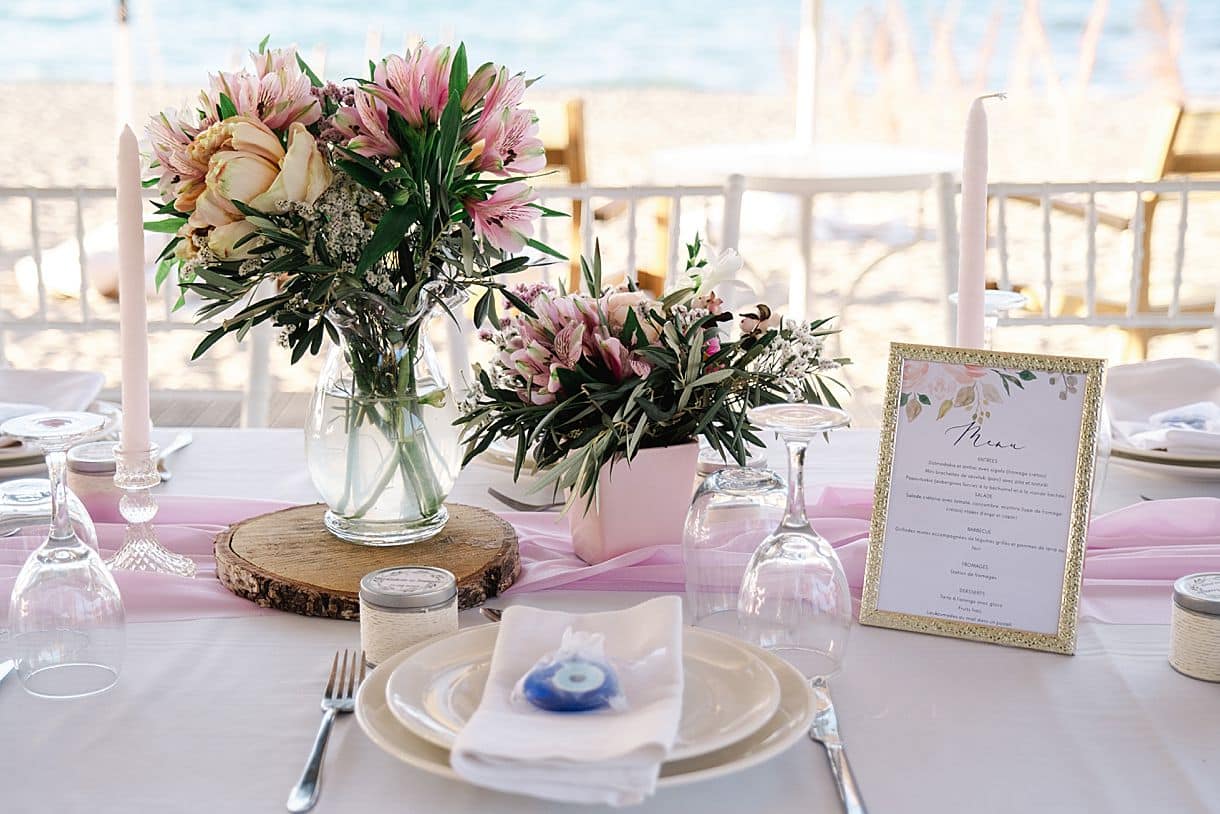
x=572 y=684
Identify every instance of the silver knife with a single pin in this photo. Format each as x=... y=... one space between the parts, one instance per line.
x=6 y=667
x=825 y=730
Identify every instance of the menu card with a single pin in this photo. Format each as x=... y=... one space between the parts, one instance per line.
x=983 y=495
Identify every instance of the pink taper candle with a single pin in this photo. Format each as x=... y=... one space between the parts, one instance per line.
x=133 y=316
x=972 y=240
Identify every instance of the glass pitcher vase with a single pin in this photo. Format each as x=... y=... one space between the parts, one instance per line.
x=380 y=442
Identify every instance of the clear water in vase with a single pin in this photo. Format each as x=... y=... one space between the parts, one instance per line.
x=384 y=465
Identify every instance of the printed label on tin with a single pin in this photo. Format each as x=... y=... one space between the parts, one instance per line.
x=408 y=581
x=1203 y=586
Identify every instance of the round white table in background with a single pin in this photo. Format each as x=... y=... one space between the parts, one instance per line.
x=805 y=171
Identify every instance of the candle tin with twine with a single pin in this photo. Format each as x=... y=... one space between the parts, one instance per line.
x=1194 y=644
x=91 y=468
x=403 y=605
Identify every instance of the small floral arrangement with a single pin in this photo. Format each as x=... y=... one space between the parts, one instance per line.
x=366 y=204
x=582 y=380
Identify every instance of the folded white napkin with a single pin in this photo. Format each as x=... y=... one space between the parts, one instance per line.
x=582 y=757
x=1149 y=401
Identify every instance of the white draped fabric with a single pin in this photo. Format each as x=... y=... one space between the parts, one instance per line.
x=218 y=714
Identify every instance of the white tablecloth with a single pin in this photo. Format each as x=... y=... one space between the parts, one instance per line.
x=217 y=715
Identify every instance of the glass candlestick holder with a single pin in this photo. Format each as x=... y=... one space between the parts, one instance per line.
x=136 y=474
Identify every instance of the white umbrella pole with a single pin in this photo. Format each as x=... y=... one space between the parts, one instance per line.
x=807 y=71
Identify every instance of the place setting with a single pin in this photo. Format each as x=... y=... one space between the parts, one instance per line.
x=1166 y=417
x=551 y=495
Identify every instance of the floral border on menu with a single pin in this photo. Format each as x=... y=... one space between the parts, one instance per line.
x=979 y=369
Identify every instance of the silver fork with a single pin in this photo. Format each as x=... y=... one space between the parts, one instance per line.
x=337 y=699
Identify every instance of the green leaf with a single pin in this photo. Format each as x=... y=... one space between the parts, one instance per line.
x=927 y=402
x=362 y=175
x=218 y=280
x=674 y=297
x=447 y=140
x=262 y=44
x=313 y=77
x=168 y=226
x=226 y=108
x=213 y=336
x=458 y=74
x=1027 y=375
x=163 y=269
x=520 y=304
x=545 y=249
x=388 y=234
x=694 y=355
x=715 y=377
x=481 y=307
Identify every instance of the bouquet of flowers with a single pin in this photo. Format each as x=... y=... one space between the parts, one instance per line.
x=353 y=211
x=582 y=380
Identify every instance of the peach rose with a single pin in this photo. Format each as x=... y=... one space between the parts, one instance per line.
x=620 y=303
x=246 y=163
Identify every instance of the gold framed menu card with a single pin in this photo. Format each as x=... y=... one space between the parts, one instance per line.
x=982 y=496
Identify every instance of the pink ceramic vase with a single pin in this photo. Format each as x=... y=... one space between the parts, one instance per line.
x=638 y=505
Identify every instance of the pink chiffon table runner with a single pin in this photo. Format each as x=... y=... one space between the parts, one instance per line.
x=1134 y=555
x=187 y=525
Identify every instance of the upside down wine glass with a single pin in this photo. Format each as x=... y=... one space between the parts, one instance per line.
x=794 y=598
x=66 y=617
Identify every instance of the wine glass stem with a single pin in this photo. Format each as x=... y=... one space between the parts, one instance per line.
x=794 y=515
x=61 y=525
x=990 y=323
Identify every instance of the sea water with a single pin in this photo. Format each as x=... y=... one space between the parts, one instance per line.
x=720 y=46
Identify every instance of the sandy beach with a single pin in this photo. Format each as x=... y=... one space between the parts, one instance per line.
x=64 y=140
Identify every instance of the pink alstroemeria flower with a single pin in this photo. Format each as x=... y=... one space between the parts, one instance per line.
x=417 y=87
x=502 y=98
x=506 y=219
x=278 y=93
x=182 y=170
x=514 y=146
x=480 y=82
x=366 y=125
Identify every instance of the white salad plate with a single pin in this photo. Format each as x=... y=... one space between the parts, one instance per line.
x=728 y=691
x=12 y=451
x=788 y=723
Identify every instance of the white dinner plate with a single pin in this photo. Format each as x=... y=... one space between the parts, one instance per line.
x=789 y=724
x=1173 y=468
x=33 y=470
x=1161 y=456
x=728 y=690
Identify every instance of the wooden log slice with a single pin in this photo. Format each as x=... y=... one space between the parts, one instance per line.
x=287 y=560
